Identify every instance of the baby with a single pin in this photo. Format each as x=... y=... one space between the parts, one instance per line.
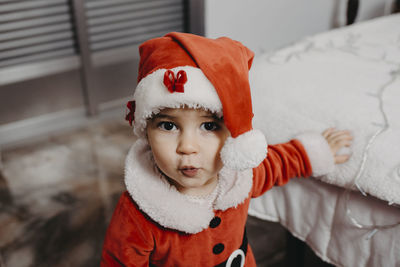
x=198 y=161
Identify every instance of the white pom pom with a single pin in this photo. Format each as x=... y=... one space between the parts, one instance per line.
x=246 y=151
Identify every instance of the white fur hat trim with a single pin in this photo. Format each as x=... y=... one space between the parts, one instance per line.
x=151 y=95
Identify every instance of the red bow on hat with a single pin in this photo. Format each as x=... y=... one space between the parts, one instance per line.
x=131 y=115
x=175 y=84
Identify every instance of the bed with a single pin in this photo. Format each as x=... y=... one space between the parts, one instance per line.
x=348 y=78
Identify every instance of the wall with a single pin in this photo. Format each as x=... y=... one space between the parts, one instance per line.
x=263 y=25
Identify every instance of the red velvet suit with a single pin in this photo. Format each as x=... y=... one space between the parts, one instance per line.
x=134 y=239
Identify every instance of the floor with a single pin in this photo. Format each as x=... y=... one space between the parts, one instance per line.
x=57 y=196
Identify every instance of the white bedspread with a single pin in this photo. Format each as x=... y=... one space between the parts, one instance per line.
x=350 y=79
x=315 y=212
x=347 y=78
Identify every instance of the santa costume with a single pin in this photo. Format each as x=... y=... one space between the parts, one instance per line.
x=155 y=225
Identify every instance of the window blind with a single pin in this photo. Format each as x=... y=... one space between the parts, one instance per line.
x=35 y=30
x=119 y=23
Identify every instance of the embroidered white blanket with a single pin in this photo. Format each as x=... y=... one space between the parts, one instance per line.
x=347 y=78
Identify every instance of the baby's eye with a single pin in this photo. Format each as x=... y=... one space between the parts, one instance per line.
x=209 y=126
x=167 y=126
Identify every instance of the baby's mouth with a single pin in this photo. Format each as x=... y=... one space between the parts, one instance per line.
x=189 y=171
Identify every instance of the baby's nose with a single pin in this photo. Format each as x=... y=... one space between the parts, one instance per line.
x=187 y=144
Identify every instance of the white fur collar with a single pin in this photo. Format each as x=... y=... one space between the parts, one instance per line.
x=168 y=207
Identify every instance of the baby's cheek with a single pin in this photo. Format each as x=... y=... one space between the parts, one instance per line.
x=217 y=159
x=160 y=152
x=218 y=164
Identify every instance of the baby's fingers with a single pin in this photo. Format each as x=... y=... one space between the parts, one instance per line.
x=337 y=135
x=328 y=132
x=339 y=142
x=338 y=139
x=340 y=135
x=341 y=158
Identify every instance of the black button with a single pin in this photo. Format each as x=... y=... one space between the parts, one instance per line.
x=215 y=222
x=218 y=248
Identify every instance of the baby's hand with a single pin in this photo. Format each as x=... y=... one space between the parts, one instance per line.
x=336 y=140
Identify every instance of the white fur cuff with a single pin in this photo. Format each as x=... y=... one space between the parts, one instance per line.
x=319 y=153
x=246 y=151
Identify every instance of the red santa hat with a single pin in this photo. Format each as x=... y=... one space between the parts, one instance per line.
x=182 y=69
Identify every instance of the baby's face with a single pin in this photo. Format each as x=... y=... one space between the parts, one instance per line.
x=185 y=144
